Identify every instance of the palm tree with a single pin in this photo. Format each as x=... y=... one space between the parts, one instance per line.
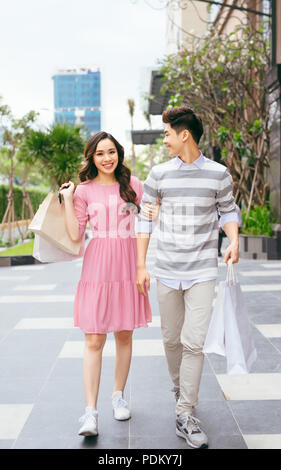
x=58 y=150
x=131 y=104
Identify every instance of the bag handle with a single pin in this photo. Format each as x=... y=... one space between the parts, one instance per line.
x=231 y=277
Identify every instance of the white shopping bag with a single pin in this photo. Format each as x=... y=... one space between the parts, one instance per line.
x=214 y=342
x=46 y=252
x=229 y=332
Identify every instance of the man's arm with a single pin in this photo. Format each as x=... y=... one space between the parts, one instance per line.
x=230 y=218
x=232 y=251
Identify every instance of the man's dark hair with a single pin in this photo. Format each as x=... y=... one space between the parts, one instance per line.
x=183 y=117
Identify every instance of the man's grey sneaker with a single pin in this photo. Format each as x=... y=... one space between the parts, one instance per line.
x=187 y=426
x=120 y=406
x=89 y=423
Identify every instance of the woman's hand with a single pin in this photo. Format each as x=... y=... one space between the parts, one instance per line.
x=67 y=189
x=152 y=210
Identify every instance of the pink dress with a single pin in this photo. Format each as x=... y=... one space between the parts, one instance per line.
x=107 y=298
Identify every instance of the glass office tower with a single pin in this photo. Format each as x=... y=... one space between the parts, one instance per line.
x=77 y=98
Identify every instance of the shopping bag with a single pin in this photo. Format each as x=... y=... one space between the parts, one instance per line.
x=229 y=332
x=49 y=223
x=240 y=350
x=214 y=342
x=47 y=252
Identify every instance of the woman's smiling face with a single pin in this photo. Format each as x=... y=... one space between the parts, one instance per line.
x=106 y=157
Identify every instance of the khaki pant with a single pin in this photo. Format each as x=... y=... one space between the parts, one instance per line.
x=185 y=317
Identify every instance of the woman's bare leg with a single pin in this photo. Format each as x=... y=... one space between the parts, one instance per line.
x=92 y=361
x=123 y=341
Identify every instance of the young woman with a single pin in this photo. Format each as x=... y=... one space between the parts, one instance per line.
x=107 y=298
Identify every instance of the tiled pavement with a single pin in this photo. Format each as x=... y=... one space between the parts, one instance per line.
x=41 y=393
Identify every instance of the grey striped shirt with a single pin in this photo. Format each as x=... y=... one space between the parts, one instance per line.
x=187 y=231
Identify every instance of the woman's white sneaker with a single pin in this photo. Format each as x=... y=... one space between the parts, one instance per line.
x=120 y=406
x=89 y=423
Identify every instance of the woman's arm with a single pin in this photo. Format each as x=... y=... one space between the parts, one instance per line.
x=72 y=224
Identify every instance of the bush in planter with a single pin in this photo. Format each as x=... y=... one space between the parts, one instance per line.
x=36 y=197
x=259 y=222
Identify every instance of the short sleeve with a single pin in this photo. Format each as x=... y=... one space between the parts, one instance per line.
x=137 y=187
x=81 y=209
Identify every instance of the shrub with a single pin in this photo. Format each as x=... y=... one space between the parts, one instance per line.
x=259 y=221
x=36 y=197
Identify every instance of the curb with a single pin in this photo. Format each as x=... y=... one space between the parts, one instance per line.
x=18 y=260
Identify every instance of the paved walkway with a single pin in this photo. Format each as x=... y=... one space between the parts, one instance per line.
x=41 y=393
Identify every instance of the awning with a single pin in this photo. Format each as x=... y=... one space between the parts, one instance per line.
x=146 y=137
x=159 y=101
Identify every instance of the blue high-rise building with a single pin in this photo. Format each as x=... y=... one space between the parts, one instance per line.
x=77 y=97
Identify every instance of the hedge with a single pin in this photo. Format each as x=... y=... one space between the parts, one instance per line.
x=36 y=197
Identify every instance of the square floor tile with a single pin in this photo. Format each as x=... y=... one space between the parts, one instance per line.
x=19 y=390
x=6 y=443
x=263 y=441
x=12 y=419
x=41 y=299
x=145 y=347
x=276 y=343
x=251 y=386
x=270 y=330
x=45 y=323
x=35 y=287
x=257 y=416
x=262 y=273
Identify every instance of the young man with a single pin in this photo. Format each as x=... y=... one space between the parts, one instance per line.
x=192 y=189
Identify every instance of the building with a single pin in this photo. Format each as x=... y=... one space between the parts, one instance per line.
x=185 y=22
x=274 y=88
x=236 y=12
x=77 y=97
x=253 y=12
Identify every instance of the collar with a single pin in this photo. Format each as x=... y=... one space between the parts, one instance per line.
x=199 y=162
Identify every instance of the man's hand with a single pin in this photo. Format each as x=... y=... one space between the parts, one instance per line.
x=232 y=252
x=143 y=280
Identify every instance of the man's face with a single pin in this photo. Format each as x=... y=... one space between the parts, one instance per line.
x=173 y=141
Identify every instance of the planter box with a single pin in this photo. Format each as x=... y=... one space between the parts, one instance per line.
x=259 y=247
x=18 y=260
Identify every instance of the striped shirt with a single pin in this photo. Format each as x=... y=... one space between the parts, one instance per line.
x=187 y=233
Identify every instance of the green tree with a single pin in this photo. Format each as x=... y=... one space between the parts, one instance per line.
x=14 y=132
x=159 y=155
x=59 y=151
x=223 y=78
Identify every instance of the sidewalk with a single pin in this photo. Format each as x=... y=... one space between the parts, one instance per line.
x=42 y=397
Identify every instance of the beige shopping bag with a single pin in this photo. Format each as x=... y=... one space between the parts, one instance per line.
x=49 y=223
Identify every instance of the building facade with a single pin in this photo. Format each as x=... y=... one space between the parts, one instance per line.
x=77 y=98
x=185 y=22
x=227 y=18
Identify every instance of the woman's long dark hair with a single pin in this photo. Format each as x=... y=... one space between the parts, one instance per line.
x=122 y=173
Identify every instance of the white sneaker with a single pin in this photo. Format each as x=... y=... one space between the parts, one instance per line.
x=89 y=423
x=120 y=406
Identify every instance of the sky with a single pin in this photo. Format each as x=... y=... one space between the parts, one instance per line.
x=121 y=37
